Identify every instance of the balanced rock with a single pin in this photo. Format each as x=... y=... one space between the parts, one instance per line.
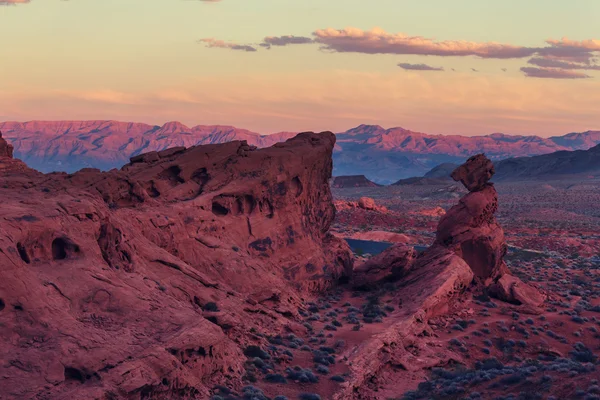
x=475 y=173
x=470 y=228
x=471 y=231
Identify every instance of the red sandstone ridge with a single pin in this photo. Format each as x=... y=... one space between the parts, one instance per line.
x=147 y=282
x=6 y=150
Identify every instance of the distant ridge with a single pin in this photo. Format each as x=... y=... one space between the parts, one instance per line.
x=349 y=181
x=561 y=164
x=384 y=155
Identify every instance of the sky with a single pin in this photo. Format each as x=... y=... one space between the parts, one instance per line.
x=467 y=67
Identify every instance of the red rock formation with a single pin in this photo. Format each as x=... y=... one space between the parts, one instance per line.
x=429 y=289
x=6 y=150
x=391 y=264
x=470 y=228
x=471 y=231
x=510 y=289
x=146 y=281
x=365 y=203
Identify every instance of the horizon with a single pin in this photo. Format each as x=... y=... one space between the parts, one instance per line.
x=300 y=131
x=450 y=69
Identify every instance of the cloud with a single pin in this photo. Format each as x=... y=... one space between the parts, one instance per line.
x=285 y=40
x=557 y=59
x=553 y=73
x=377 y=41
x=12 y=2
x=590 y=44
x=419 y=67
x=547 y=62
x=221 y=44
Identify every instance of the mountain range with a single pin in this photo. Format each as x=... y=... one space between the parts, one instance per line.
x=382 y=155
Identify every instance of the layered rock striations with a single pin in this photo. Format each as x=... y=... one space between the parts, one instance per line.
x=146 y=281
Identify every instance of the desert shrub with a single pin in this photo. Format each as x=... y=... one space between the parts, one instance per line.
x=304 y=375
x=275 y=378
x=582 y=354
x=321 y=357
x=321 y=369
x=211 y=306
x=309 y=396
x=337 y=378
x=253 y=351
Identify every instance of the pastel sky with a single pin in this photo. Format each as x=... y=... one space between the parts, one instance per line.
x=438 y=66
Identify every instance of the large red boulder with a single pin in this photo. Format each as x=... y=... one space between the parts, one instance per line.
x=146 y=281
x=391 y=264
x=512 y=290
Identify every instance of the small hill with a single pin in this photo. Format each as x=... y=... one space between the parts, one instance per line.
x=348 y=181
x=441 y=171
x=549 y=166
x=437 y=175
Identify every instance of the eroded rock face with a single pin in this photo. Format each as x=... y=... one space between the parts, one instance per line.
x=146 y=281
x=470 y=228
x=391 y=264
x=429 y=289
x=6 y=150
x=475 y=173
x=512 y=290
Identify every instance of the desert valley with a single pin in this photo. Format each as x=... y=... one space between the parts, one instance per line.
x=225 y=271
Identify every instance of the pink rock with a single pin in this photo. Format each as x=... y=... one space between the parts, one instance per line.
x=149 y=278
x=511 y=289
x=6 y=150
x=471 y=230
x=475 y=173
x=391 y=264
x=367 y=203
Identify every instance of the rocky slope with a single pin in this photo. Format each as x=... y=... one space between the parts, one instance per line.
x=383 y=155
x=148 y=282
x=551 y=166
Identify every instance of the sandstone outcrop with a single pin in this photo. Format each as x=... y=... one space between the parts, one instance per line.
x=6 y=150
x=470 y=228
x=471 y=231
x=364 y=203
x=429 y=289
x=389 y=265
x=512 y=290
x=144 y=282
